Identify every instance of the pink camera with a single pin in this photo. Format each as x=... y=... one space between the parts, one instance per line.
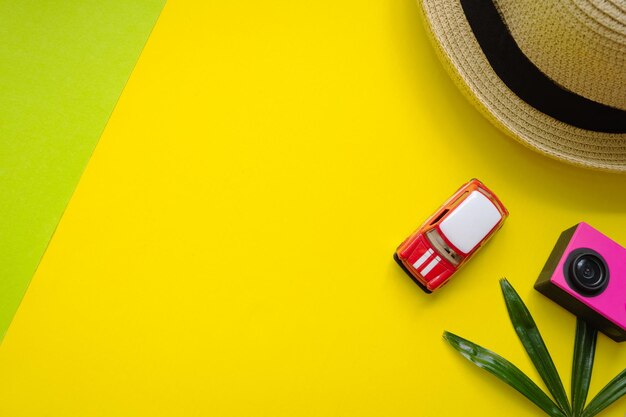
x=586 y=274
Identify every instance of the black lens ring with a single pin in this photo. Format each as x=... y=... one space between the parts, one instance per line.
x=574 y=283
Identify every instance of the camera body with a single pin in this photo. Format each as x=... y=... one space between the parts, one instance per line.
x=586 y=274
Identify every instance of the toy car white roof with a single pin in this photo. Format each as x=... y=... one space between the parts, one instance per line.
x=470 y=222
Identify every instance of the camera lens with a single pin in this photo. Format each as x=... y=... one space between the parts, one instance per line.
x=588 y=273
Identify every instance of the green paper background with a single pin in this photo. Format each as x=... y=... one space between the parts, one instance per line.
x=63 y=66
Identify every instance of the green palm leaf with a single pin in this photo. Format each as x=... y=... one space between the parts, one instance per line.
x=530 y=337
x=504 y=370
x=608 y=395
x=584 y=352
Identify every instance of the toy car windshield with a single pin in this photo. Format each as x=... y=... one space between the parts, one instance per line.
x=443 y=248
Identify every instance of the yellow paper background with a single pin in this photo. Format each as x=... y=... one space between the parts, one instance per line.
x=228 y=249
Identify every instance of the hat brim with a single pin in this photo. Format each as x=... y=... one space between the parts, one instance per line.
x=469 y=67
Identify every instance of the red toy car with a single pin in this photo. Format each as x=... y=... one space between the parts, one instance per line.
x=449 y=238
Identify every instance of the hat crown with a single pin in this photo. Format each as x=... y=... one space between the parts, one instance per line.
x=579 y=44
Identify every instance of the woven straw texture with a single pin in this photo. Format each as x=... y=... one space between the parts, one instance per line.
x=544 y=32
x=590 y=61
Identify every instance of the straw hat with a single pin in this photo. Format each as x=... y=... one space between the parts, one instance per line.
x=550 y=73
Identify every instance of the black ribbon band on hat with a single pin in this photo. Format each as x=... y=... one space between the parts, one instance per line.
x=528 y=82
